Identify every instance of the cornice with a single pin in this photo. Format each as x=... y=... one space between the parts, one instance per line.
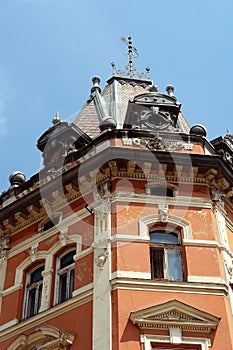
x=179 y=160
x=162 y=286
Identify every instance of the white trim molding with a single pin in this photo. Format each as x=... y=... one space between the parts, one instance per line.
x=149 y=339
x=172 y=219
x=176 y=317
x=48 y=337
x=175 y=314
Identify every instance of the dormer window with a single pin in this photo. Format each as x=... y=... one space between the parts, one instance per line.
x=153 y=111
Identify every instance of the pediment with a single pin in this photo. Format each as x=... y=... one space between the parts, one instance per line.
x=45 y=337
x=175 y=314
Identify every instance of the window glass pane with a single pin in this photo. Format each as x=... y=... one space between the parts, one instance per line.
x=39 y=298
x=157 y=263
x=62 y=287
x=71 y=286
x=67 y=259
x=36 y=275
x=174 y=265
x=164 y=237
x=31 y=302
x=162 y=191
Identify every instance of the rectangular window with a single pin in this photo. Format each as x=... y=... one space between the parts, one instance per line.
x=165 y=256
x=33 y=292
x=65 y=277
x=176 y=347
x=166 y=264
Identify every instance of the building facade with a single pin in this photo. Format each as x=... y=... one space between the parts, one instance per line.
x=124 y=239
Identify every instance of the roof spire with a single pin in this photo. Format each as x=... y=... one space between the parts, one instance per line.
x=130 y=69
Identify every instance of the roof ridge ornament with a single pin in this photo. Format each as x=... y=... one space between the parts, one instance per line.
x=56 y=119
x=130 y=69
x=229 y=135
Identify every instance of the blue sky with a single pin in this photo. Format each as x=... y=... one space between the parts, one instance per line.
x=50 y=50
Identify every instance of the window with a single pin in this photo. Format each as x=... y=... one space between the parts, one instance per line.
x=49 y=224
x=165 y=256
x=178 y=347
x=33 y=292
x=65 y=276
x=162 y=191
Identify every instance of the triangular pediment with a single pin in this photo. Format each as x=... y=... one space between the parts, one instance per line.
x=175 y=314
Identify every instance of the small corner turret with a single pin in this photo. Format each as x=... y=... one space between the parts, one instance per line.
x=60 y=140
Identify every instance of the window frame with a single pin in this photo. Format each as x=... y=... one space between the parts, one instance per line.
x=157 y=342
x=29 y=287
x=166 y=190
x=165 y=248
x=62 y=271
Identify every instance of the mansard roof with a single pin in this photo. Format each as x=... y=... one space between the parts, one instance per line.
x=113 y=103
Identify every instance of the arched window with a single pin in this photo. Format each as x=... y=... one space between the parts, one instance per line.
x=65 y=276
x=33 y=292
x=165 y=256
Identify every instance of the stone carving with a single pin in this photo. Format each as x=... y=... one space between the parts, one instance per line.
x=101 y=197
x=45 y=300
x=224 y=147
x=153 y=111
x=226 y=156
x=216 y=194
x=4 y=246
x=159 y=144
x=33 y=251
x=63 y=235
x=163 y=213
x=45 y=337
x=157 y=119
x=229 y=268
x=127 y=141
x=59 y=141
x=173 y=315
x=102 y=257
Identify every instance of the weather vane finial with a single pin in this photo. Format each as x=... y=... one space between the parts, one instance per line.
x=130 y=69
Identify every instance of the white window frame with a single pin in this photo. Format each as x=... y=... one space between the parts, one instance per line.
x=165 y=247
x=28 y=287
x=60 y=271
x=149 y=339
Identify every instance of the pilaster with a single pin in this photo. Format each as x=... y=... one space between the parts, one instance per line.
x=102 y=325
